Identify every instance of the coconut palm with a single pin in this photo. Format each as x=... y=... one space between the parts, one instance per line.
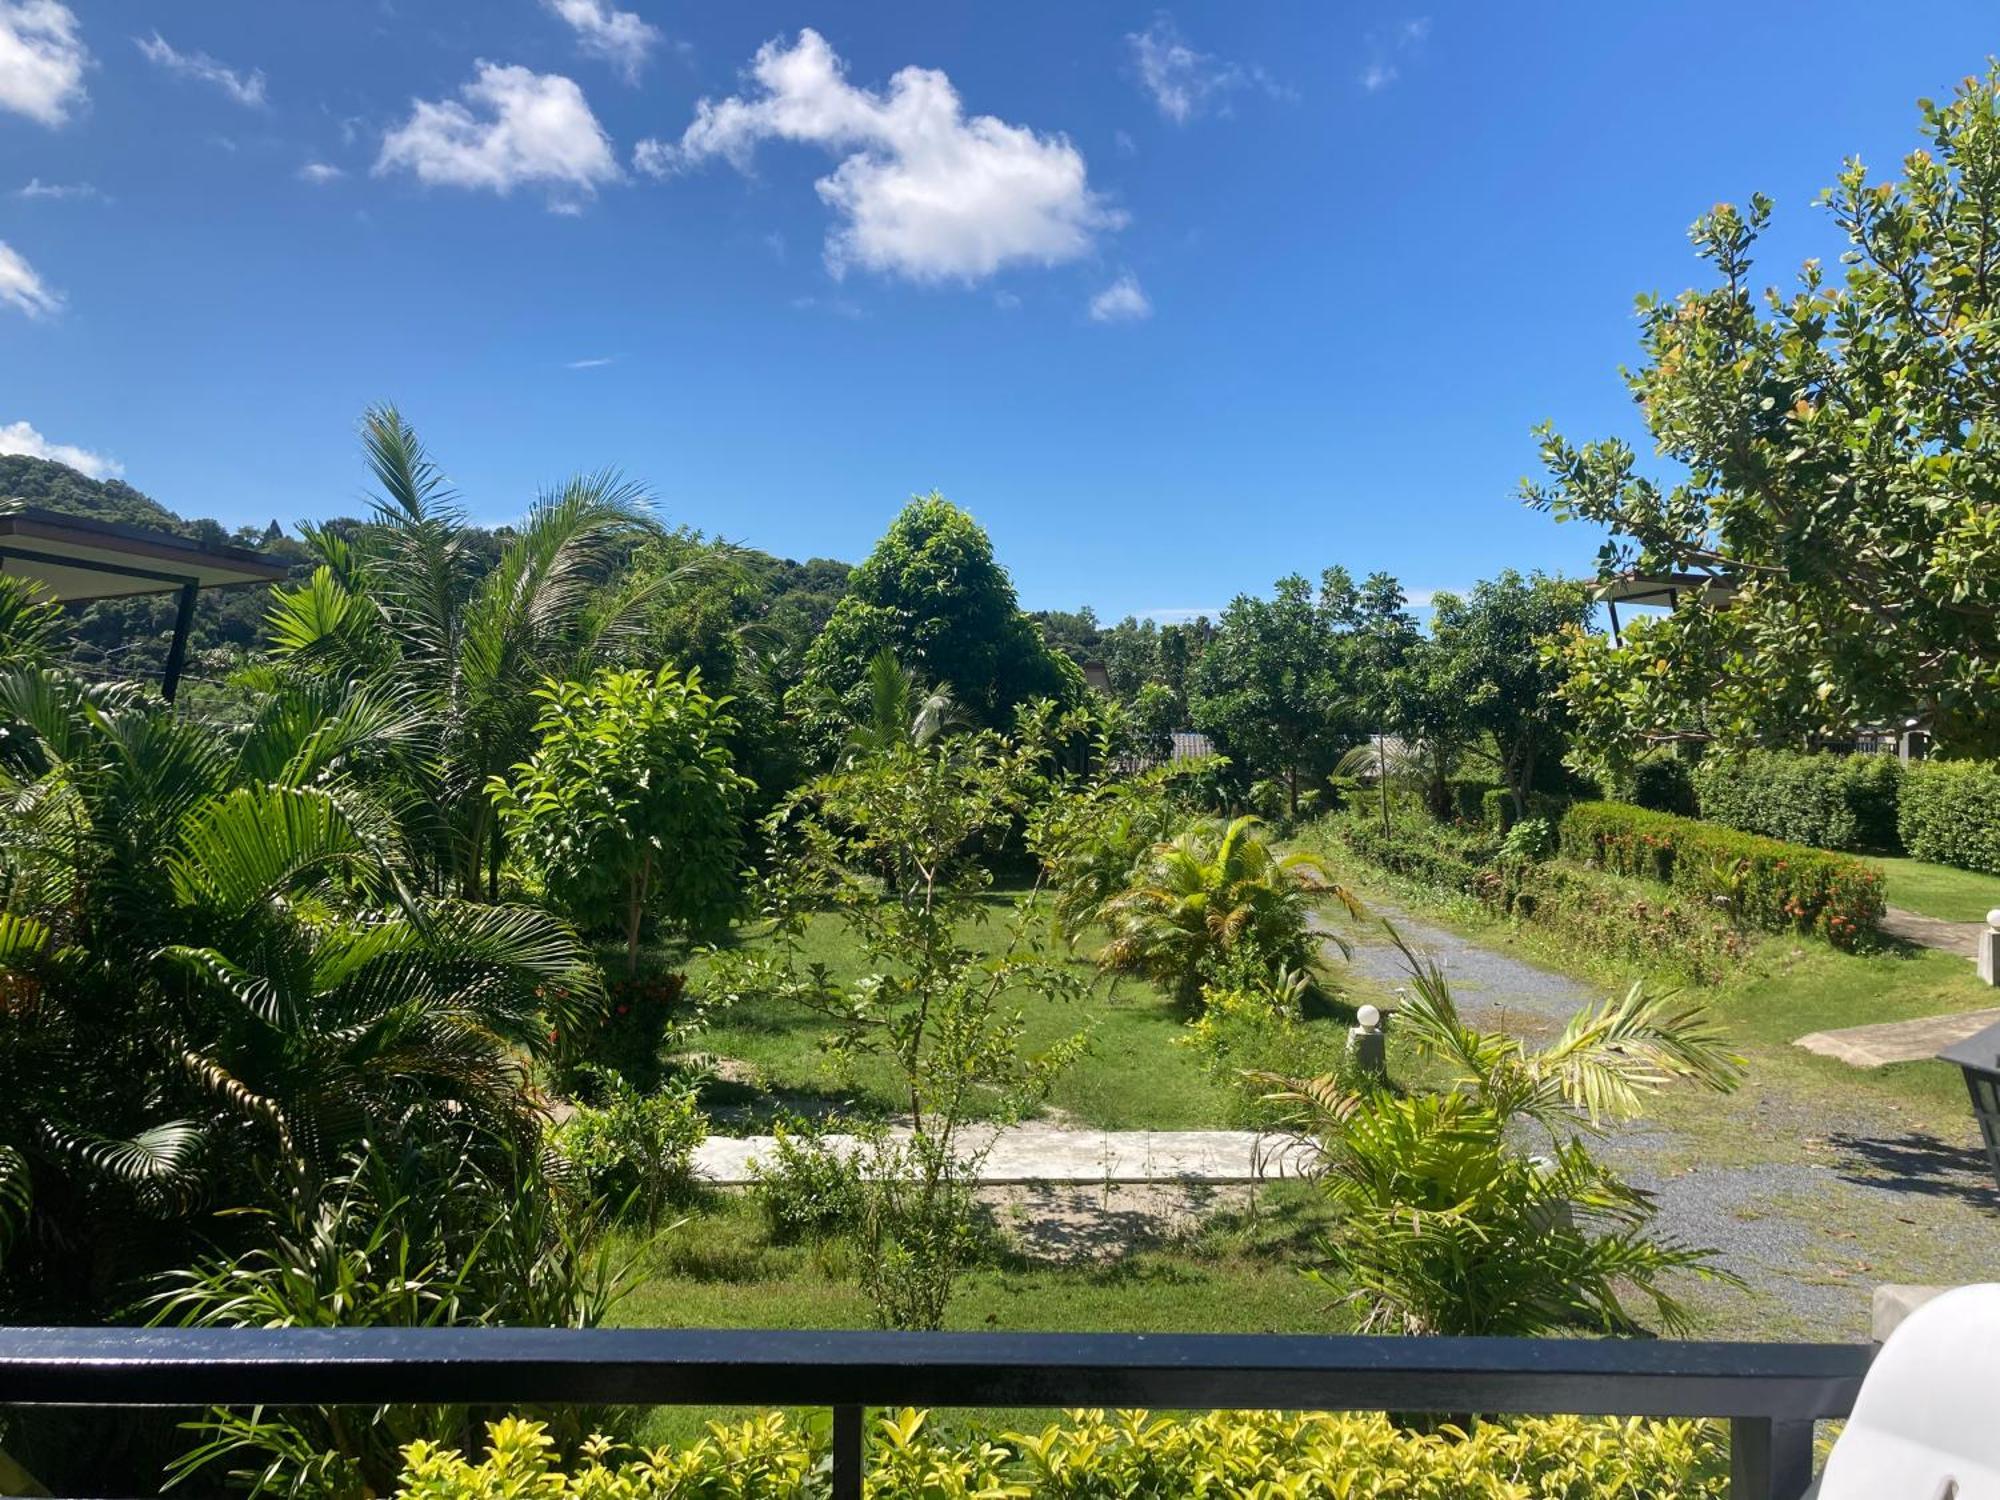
x=898 y=712
x=407 y=606
x=1215 y=891
x=1446 y=1222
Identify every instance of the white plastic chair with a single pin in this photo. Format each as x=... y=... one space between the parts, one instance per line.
x=1926 y=1425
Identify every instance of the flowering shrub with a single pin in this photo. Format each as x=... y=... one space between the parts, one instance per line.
x=1593 y=913
x=1090 y=1454
x=1764 y=883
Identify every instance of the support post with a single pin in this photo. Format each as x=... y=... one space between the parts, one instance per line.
x=1769 y=1460
x=177 y=652
x=847 y=1468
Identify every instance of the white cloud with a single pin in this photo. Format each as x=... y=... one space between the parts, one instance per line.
x=245 y=88
x=620 y=37
x=19 y=437
x=921 y=190
x=36 y=188
x=592 y=364
x=1378 y=76
x=1406 y=38
x=1185 y=83
x=1124 y=301
x=42 y=60
x=514 y=127
x=21 y=287
x=319 y=173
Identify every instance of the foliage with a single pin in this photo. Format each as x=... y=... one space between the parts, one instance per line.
x=1776 y=886
x=932 y=594
x=217 y=980
x=634 y=1151
x=807 y=1187
x=1446 y=856
x=1282 y=687
x=406 y=605
x=889 y=847
x=1531 y=839
x=1828 y=801
x=1662 y=783
x=629 y=803
x=1251 y=1031
x=1591 y=913
x=421 y=1237
x=1089 y=1454
x=1490 y=664
x=1210 y=890
x=1446 y=1225
x=1949 y=813
x=1091 y=834
x=1836 y=450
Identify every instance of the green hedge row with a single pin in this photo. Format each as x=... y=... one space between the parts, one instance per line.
x=1777 y=886
x=1828 y=801
x=1950 y=813
x=1091 y=1454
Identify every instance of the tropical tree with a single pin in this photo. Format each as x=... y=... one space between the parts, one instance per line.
x=1447 y=1223
x=1213 y=892
x=932 y=594
x=1832 y=454
x=216 y=978
x=404 y=606
x=1488 y=658
x=629 y=805
x=895 y=712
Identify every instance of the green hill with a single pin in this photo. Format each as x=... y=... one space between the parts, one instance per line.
x=54 y=486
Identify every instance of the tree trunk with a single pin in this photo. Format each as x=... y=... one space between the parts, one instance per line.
x=635 y=907
x=1292 y=793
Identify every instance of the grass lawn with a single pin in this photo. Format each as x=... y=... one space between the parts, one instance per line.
x=1939 y=890
x=1134 y=1077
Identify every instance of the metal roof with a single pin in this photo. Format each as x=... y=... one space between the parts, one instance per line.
x=76 y=558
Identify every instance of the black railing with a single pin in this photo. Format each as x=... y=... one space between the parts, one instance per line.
x=1771 y=1394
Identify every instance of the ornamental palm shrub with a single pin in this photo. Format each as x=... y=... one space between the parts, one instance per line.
x=1448 y=1224
x=1209 y=890
x=629 y=807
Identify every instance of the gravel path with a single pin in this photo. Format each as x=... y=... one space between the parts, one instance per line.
x=1486 y=983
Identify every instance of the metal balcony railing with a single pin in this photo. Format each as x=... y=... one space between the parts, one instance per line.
x=1771 y=1394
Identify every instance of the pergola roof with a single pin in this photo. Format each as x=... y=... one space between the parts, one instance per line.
x=75 y=558
x=1664 y=588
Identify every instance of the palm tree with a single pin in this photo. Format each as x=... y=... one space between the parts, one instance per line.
x=215 y=977
x=1211 y=891
x=898 y=712
x=404 y=607
x=1447 y=1225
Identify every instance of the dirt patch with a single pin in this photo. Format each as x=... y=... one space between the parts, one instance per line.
x=1068 y=1223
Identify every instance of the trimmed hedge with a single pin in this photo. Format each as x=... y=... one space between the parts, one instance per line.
x=1777 y=886
x=1496 y=807
x=1468 y=796
x=1827 y=801
x=1089 y=1454
x=1950 y=813
x=1661 y=783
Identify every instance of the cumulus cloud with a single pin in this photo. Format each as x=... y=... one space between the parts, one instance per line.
x=319 y=173
x=21 y=287
x=42 y=60
x=1185 y=83
x=509 y=126
x=922 y=190
x=620 y=37
x=19 y=437
x=1124 y=301
x=245 y=88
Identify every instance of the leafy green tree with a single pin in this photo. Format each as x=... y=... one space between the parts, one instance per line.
x=629 y=805
x=932 y=593
x=1834 y=451
x=1489 y=657
x=1290 y=682
x=1448 y=1225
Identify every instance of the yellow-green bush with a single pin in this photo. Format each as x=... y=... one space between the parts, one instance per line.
x=1265 y=1455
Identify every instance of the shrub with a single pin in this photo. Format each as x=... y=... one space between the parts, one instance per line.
x=1468 y=796
x=1661 y=783
x=1532 y=839
x=1778 y=887
x=807 y=1188
x=1089 y=1454
x=1950 y=814
x=1828 y=801
x=1248 y=1034
x=1593 y=914
x=1414 y=847
x=636 y=1151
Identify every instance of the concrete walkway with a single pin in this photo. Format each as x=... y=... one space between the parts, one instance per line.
x=1897 y=1041
x=1961 y=938
x=1037 y=1153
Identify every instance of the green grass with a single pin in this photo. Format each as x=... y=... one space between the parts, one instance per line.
x=1134 y=1076
x=1939 y=890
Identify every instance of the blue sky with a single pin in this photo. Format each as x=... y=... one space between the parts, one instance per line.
x=1174 y=301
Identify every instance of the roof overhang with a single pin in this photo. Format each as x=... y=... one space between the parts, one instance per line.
x=1664 y=588
x=75 y=558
